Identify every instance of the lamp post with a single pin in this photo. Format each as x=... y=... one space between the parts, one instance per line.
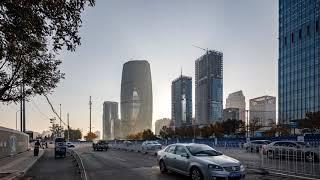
x=17 y=119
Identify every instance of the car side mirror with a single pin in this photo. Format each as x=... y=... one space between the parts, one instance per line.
x=184 y=155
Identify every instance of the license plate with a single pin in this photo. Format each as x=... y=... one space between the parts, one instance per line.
x=235 y=174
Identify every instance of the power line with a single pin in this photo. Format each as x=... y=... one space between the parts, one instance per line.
x=53 y=110
x=37 y=107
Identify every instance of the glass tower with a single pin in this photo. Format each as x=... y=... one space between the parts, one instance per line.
x=299 y=68
x=209 y=83
x=181 y=101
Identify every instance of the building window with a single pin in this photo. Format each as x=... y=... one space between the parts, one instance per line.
x=285 y=40
x=308 y=30
x=300 y=34
x=292 y=37
x=317 y=26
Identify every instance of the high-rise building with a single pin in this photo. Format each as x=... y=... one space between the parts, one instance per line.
x=181 y=101
x=299 y=59
x=231 y=113
x=209 y=91
x=263 y=110
x=136 y=97
x=237 y=100
x=110 y=114
x=160 y=123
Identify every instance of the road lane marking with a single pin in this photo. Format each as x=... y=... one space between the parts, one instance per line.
x=123 y=160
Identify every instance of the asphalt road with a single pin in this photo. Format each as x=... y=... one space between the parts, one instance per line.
x=123 y=165
x=48 y=167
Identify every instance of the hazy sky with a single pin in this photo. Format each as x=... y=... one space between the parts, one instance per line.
x=162 y=32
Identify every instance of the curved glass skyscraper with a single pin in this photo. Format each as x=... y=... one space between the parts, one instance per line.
x=136 y=97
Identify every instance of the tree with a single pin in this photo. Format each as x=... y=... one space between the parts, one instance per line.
x=56 y=130
x=148 y=135
x=311 y=122
x=166 y=132
x=254 y=125
x=31 y=35
x=218 y=129
x=90 y=136
x=231 y=126
x=74 y=134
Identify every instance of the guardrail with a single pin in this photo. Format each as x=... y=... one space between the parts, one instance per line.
x=291 y=160
x=134 y=148
x=79 y=162
x=293 y=167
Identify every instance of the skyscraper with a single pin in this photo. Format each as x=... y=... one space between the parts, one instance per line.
x=181 y=101
x=263 y=110
x=299 y=59
x=209 y=92
x=136 y=97
x=237 y=100
x=110 y=114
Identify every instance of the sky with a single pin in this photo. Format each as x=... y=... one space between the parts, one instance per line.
x=162 y=32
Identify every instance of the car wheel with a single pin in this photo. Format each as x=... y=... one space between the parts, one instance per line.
x=162 y=166
x=196 y=174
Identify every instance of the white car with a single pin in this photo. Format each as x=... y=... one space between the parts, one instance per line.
x=151 y=145
x=199 y=161
x=70 y=145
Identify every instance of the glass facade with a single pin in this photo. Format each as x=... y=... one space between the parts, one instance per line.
x=181 y=100
x=299 y=59
x=209 y=87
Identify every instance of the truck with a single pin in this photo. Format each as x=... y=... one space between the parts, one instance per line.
x=100 y=145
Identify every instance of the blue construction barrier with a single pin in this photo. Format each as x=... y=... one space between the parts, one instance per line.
x=312 y=139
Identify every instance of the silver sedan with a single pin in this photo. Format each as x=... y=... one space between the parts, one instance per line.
x=199 y=161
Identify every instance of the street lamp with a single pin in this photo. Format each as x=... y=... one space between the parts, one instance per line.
x=17 y=119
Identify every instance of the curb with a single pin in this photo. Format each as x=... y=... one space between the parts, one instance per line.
x=18 y=175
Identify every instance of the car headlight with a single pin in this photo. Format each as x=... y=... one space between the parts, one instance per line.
x=242 y=168
x=214 y=167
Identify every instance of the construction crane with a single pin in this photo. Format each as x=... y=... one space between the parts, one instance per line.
x=200 y=47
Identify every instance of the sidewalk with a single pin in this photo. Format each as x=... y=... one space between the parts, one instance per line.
x=18 y=165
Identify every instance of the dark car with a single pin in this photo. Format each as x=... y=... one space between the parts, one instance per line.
x=60 y=147
x=100 y=145
x=292 y=150
x=255 y=145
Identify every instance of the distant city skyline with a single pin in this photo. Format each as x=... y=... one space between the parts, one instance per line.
x=162 y=32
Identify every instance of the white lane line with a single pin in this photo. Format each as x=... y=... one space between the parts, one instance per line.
x=123 y=160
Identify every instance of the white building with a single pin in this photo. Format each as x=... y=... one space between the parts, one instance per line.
x=237 y=100
x=263 y=109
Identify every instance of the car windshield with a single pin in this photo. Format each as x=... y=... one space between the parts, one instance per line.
x=203 y=150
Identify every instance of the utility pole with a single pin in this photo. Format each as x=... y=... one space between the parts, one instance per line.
x=24 y=108
x=90 y=104
x=68 y=127
x=21 y=110
x=60 y=114
x=247 y=123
